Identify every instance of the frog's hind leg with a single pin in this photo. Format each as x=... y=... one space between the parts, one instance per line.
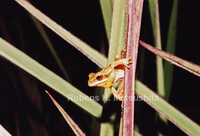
x=119 y=93
x=118 y=57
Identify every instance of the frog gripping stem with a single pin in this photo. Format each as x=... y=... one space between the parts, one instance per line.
x=127 y=62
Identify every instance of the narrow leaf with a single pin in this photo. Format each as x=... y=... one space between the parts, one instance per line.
x=81 y=46
x=3 y=131
x=50 y=45
x=171 y=41
x=106 y=8
x=49 y=78
x=184 y=64
x=155 y=20
x=68 y=119
x=137 y=133
x=118 y=30
x=168 y=111
x=117 y=42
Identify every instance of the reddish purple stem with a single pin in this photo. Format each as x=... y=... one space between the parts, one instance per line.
x=133 y=32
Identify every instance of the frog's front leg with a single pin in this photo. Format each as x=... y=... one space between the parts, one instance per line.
x=124 y=62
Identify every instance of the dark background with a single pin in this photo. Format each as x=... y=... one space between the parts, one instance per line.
x=23 y=113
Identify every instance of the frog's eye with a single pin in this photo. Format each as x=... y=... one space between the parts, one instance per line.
x=99 y=77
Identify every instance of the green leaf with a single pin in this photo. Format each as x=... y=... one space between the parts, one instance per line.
x=89 y=52
x=3 y=131
x=50 y=45
x=164 y=108
x=171 y=41
x=106 y=8
x=155 y=20
x=49 y=78
x=68 y=119
x=117 y=42
x=118 y=30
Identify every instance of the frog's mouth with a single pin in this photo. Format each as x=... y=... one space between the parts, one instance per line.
x=93 y=83
x=103 y=83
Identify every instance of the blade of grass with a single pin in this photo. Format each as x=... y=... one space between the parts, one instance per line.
x=171 y=41
x=184 y=64
x=49 y=78
x=134 y=16
x=118 y=30
x=137 y=133
x=106 y=9
x=155 y=20
x=51 y=48
x=117 y=42
x=89 y=52
x=168 y=111
x=3 y=131
x=68 y=119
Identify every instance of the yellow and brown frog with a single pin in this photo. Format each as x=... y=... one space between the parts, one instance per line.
x=111 y=74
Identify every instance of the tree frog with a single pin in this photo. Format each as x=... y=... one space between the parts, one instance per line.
x=111 y=74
